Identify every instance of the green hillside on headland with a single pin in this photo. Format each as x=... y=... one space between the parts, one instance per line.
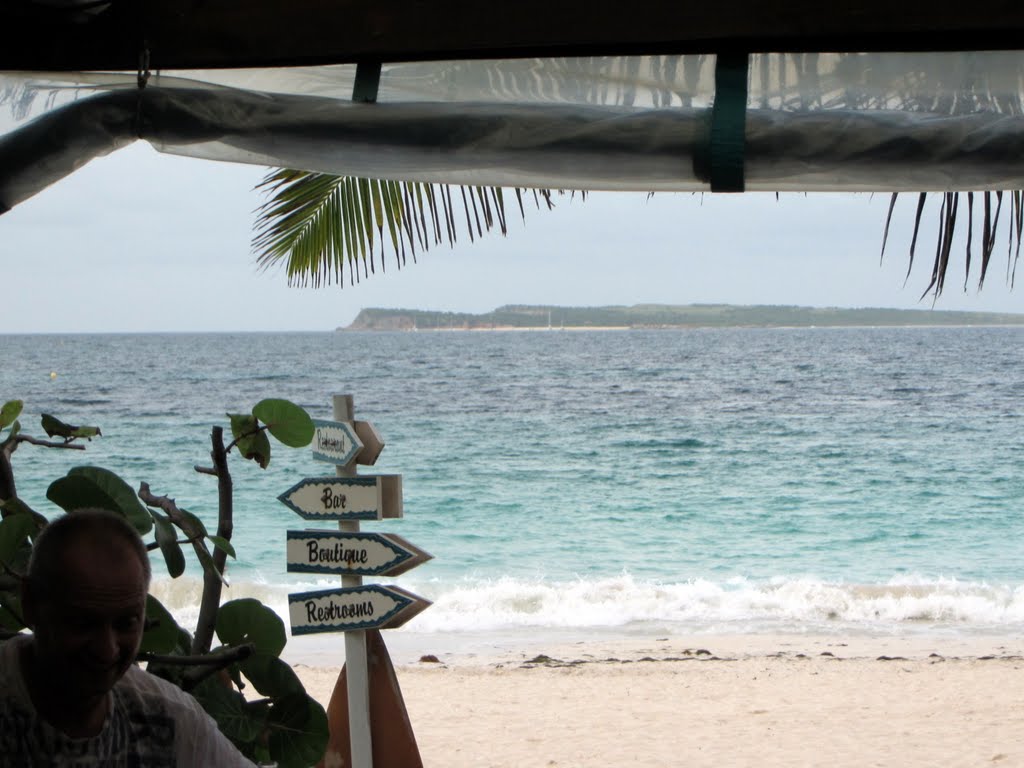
x=515 y=316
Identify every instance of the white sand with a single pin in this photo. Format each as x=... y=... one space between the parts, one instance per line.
x=750 y=701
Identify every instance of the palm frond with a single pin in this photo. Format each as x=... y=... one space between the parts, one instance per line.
x=319 y=225
x=947 y=221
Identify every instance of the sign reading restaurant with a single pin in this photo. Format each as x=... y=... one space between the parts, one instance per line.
x=335 y=441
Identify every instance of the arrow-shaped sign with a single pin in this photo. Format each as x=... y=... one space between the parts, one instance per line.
x=369 y=497
x=374 y=606
x=365 y=554
x=335 y=441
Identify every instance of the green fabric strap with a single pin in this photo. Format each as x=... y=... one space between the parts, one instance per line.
x=727 y=137
x=367 y=81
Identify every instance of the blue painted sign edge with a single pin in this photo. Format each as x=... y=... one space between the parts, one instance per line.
x=357 y=444
x=357 y=514
x=403 y=603
x=400 y=557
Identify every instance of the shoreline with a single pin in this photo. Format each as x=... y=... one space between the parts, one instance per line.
x=579 y=328
x=407 y=651
x=764 y=701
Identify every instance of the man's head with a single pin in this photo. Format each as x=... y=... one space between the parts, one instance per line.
x=85 y=599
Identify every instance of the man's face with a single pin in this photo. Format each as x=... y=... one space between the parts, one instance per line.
x=88 y=629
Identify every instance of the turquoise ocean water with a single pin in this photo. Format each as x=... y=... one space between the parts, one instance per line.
x=738 y=480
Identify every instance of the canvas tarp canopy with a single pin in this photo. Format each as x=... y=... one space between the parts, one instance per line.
x=774 y=122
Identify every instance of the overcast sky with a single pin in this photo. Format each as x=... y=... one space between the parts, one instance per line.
x=139 y=241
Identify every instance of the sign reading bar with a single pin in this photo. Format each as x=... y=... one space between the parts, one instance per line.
x=335 y=441
x=365 y=554
x=371 y=497
x=373 y=606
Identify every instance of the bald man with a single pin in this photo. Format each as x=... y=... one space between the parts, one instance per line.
x=71 y=695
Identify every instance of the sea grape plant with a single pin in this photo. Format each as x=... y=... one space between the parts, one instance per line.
x=284 y=726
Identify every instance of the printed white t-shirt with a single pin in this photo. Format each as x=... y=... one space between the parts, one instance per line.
x=152 y=724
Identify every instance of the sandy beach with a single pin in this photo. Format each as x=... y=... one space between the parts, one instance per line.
x=718 y=701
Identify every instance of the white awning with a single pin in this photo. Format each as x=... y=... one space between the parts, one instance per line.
x=808 y=122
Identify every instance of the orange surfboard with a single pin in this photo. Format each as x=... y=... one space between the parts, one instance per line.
x=394 y=744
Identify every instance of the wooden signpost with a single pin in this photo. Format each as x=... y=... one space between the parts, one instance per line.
x=372 y=442
x=355 y=608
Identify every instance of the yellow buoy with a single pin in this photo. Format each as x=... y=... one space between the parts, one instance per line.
x=53 y=374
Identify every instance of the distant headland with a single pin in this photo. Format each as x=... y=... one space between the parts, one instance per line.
x=540 y=317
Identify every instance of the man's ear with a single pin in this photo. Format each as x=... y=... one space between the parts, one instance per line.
x=28 y=604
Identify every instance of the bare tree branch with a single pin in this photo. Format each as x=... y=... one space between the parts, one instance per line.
x=212 y=582
x=201 y=666
x=195 y=537
x=220 y=658
x=49 y=443
x=8 y=490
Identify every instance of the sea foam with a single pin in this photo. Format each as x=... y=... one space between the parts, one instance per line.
x=782 y=604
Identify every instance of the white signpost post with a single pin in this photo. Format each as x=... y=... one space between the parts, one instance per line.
x=355 y=607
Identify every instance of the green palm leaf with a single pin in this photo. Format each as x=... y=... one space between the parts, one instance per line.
x=318 y=225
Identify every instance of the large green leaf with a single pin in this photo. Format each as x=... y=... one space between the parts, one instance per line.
x=259 y=710
x=256 y=448
x=173 y=672
x=298 y=731
x=223 y=545
x=124 y=497
x=247 y=620
x=286 y=421
x=162 y=631
x=79 y=492
x=10 y=611
x=14 y=532
x=193 y=525
x=17 y=506
x=271 y=676
x=194 y=528
x=10 y=411
x=227 y=706
x=243 y=424
x=167 y=539
x=252 y=441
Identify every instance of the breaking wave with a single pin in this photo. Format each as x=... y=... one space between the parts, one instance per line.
x=782 y=604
